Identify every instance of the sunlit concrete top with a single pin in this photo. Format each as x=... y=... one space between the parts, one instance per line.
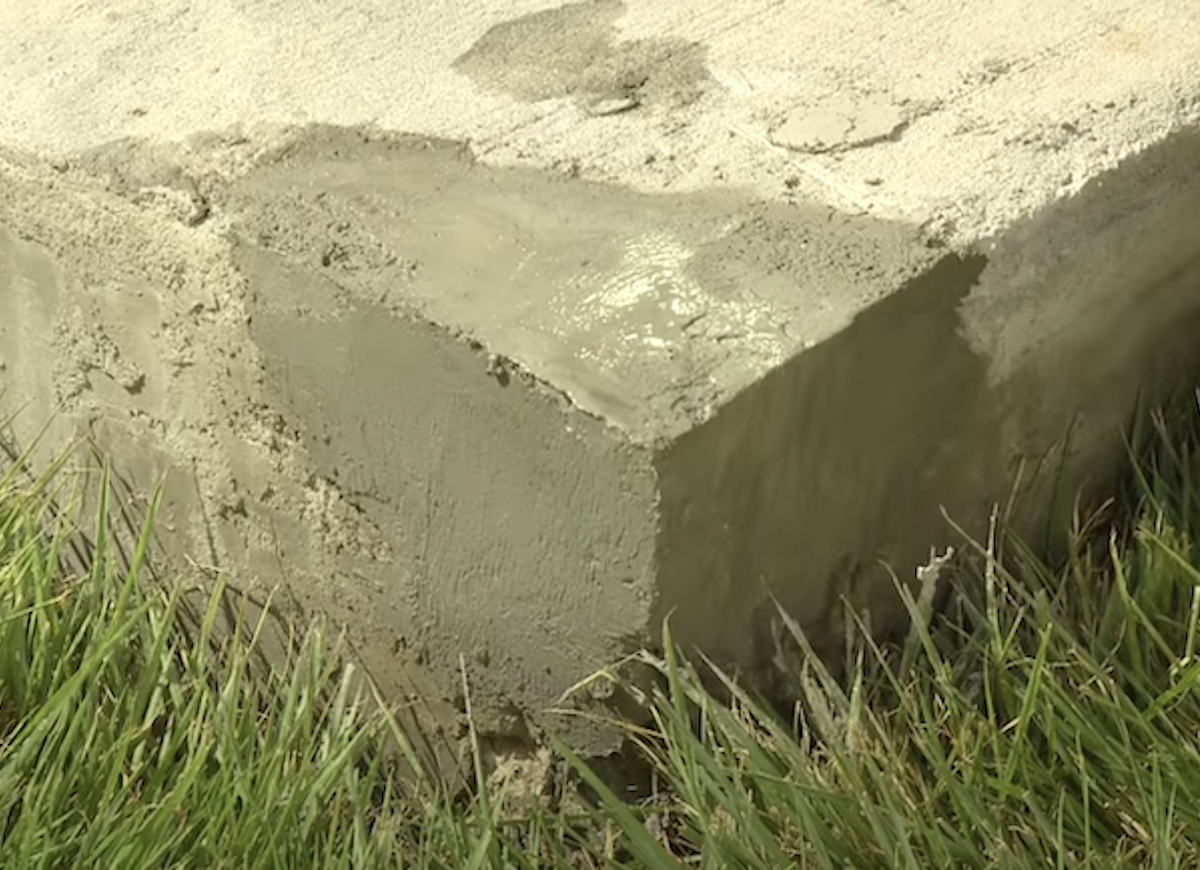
x=958 y=117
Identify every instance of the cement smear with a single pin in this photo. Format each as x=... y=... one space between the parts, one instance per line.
x=575 y=51
x=647 y=312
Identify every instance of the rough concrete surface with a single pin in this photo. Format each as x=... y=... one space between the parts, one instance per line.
x=506 y=330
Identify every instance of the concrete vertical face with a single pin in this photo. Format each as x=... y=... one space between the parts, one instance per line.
x=520 y=532
x=549 y=322
x=1030 y=354
x=317 y=437
x=28 y=307
x=1090 y=277
x=834 y=461
x=1087 y=308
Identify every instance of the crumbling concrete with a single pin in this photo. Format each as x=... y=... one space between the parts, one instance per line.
x=506 y=333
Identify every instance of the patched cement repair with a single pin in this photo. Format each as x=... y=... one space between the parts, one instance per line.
x=523 y=417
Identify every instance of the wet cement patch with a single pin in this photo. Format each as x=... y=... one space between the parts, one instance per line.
x=507 y=521
x=647 y=312
x=426 y=394
x=575 y=51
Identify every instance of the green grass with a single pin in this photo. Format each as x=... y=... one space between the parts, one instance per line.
x=129 y=741
x=1044 y=718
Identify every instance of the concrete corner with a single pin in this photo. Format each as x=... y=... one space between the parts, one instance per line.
x=531 y=327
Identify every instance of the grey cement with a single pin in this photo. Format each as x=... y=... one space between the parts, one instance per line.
x=524 y=418
x=642 y=312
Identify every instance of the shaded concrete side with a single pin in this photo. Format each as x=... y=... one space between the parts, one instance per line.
x=520 y=531
x=1027 y=356
x=1087 y=305
x=647 y=312
x=837 y=459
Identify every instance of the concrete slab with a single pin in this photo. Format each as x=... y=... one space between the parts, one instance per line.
x=508 y=329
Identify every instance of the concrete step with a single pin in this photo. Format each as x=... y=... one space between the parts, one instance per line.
x=508 y=330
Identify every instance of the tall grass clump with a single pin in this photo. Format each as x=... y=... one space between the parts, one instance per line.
x=1046 y=718
x=133 y=737
x=128 y=743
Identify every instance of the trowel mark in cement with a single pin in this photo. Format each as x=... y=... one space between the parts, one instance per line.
x=573 y=51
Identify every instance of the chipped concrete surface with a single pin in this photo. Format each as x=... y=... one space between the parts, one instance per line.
x=507 y=330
